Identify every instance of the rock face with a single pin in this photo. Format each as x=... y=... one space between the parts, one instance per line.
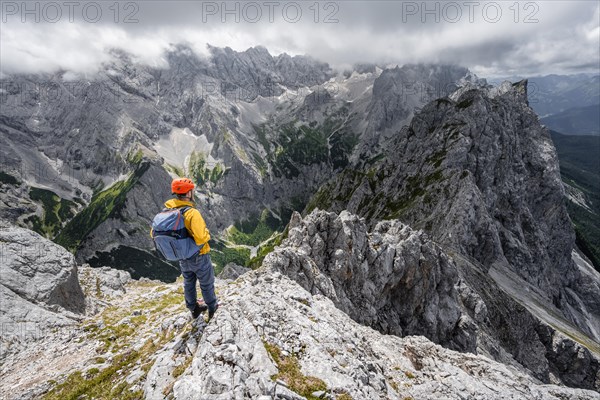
x=391 y=278
x=233 y=271
x=399 y=282
x=39 y=289
x=272 y=338
x=399 y=92
x=38 y=270
x=480 y=175
x=255 y=72
x=271 y=329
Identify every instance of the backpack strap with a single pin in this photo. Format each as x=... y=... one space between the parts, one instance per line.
x=182 y=209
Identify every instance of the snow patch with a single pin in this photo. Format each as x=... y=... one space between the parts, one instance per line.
x=179 y=144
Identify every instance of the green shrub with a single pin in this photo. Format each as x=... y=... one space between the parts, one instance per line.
x=290 y=373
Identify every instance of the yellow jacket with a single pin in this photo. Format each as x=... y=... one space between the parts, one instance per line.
x=194 y=223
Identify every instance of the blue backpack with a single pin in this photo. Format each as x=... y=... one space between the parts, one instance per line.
x=170 y=235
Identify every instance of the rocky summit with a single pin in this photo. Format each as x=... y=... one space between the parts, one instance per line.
x=272 y=338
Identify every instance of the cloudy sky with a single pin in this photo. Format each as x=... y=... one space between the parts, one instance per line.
x=493 y=38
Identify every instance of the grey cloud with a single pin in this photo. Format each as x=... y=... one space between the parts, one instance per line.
x=565 y=38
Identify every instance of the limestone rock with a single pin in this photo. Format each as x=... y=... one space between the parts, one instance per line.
x=266 y=310
x=232 y=271
x=393 y=279
x=38 y=270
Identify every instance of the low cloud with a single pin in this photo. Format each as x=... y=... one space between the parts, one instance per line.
x=491 y=38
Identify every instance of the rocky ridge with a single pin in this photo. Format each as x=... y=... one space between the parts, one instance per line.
x=270 y=339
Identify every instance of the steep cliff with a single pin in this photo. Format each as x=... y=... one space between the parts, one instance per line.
x=480 y=175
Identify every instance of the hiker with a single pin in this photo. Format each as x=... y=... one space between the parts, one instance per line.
x=189 y=246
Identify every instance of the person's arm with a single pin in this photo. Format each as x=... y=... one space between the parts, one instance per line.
x=198 y=227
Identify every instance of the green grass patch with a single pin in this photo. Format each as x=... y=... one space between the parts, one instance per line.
x=135 y=157
x=290 y=373
x=290 y=146
x=221 y=255
x=321 y=200
x=56 y=211
x=255 y=230
x=437 y=158
x=118 y=325
x=261 y=133
x=180 y=369
x=297 y=147
x=102 y=385
x=343 y=184
x=201 y=172
x=105 y=204
x=167 y=301
x=265 y=249
x=108 y=383
x=175 y=170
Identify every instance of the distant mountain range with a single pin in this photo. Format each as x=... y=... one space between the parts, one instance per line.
x=569 y=104
x=579 y=158
x=575 y=121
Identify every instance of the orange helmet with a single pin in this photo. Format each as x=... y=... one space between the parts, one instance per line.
x=182 y=185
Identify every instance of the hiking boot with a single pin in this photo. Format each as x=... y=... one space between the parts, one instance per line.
x=203 y=307
x=197 y=311
x=211 y=313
